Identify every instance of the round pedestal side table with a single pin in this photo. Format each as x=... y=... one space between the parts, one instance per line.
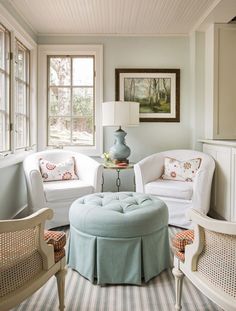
x=117 y=168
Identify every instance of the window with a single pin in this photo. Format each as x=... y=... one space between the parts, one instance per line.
x=71 y=94
x=20 y=105
x=21 y=96
x=4 y=89
x=18 y=93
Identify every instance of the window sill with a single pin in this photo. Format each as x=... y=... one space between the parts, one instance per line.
x=15 y=158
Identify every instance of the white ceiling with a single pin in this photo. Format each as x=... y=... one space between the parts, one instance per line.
x=117 y=17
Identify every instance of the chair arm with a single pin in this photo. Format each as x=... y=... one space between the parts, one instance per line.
x=36 y=192
x=220 y=226
x=148 y=169
x=37 y=219
x=30 y=221
x=34 y=183
x=89 y=171
x=202 y=189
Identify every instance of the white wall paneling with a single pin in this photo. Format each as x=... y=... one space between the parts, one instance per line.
x=223 y=201
x=220 y=91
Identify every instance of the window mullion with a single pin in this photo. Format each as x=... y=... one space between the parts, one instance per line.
x=71 y=99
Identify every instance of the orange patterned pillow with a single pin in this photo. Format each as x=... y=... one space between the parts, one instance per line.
x=180 y=170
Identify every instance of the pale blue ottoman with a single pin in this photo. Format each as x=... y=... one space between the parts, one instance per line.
x=119 y=237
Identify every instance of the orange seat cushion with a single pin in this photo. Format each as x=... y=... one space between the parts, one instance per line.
x=181 y=239
x=58 y=255
x=58 y=240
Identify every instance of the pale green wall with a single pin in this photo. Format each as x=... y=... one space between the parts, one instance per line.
x=197 y=65
x=143 y=52
x=148 y=138
x=12 y=191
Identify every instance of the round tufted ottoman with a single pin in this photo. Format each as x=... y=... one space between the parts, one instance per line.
x=118 y=237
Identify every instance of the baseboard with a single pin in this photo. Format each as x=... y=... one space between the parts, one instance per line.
x=23 y=212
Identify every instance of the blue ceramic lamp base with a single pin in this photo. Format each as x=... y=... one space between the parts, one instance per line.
x=120 y=151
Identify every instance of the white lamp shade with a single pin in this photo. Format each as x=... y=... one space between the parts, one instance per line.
x=120 y=113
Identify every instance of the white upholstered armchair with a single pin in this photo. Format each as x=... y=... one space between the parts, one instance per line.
x=179 y=196
x=58 y=195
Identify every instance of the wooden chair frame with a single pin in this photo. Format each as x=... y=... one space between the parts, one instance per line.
x=49 y=267
x=190 y=266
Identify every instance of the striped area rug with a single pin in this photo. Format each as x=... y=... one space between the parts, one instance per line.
x=80 y=295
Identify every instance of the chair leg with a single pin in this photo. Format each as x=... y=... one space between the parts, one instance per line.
x=178 y=274
x=60 y=275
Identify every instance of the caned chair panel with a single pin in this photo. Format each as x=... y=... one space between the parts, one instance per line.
x=26 y=260
x=217 y=261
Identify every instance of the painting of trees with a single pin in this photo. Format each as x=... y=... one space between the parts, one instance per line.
x=156 y=90
x=153 y=94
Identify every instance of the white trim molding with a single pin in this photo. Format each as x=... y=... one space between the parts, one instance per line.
x=43 y=52
x=13 y=25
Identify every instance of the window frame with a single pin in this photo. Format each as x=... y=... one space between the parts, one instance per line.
x=71 y=50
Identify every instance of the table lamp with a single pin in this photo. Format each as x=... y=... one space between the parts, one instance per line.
x=120 y=113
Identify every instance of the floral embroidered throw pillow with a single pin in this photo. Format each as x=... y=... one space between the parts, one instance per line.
x=181 y=170
x=57 y=171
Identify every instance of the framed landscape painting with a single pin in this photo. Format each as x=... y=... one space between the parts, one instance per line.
x=157 y=91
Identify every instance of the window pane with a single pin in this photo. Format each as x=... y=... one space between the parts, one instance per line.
x=83 y=131
x=71 y=102
x=7 y=52
x=83 y=101
x=20 y=98
x=60 y=70
x=21 y=131
x=59 y=101
x=2 y=62
x=20 y=62
x=4 y=132
x=83 y=71
x=59 y=131
x=2 y=91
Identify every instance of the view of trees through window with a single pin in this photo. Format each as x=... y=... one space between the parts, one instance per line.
x=71 y=100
